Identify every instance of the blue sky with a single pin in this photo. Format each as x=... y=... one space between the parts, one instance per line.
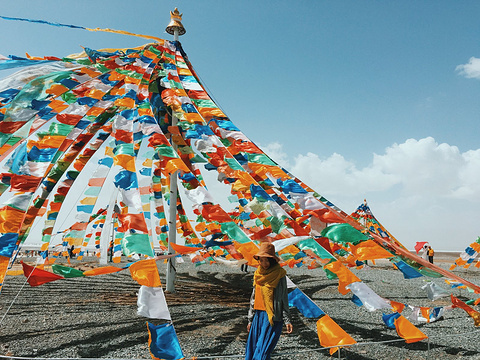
x=360 y=99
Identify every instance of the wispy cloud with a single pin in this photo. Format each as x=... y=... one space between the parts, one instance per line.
x=471 y=69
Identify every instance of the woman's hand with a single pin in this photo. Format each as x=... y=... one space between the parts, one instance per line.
x=248 y=327
x=289 y=328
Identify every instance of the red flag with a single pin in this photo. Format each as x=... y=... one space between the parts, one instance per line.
x=215 y=213
x=37 y=277
x=419 y=245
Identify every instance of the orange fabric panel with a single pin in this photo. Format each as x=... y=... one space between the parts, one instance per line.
x=408 y=331
x=247 y=250
x=397 y=306
x=102 y=271
x=58 y=105
x=369 y=250
x=331 y=334
x=174 y=165
x=132 y=221
x=345 y=276
x=181 y=249
x=145 y=272
x=57 y=89
x=125 y=161
x=10 y=219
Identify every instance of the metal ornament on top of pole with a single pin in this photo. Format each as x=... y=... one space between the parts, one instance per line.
x=174 y=28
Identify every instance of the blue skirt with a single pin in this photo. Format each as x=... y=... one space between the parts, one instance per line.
x=262 y=337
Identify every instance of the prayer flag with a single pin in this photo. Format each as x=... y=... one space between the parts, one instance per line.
x=145 y=272
x=369 y=298
x=304 y=304
x=434 y=291
x=182 y=249
x=408 y=331
x=163 y=342
x=343 y=233
x=370 y=250
x=389 y=319
x=152 y=304
x=37 y=277
x=419 y=245
x=330 y=334
x=475 y=315
x=102 y=271
x=66 y=272
x=345 y=276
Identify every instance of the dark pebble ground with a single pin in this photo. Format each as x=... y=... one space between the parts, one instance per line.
x=96 y=317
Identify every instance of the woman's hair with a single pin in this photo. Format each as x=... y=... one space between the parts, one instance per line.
x=272 y=261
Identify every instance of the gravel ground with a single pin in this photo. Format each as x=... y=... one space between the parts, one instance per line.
x=96 y=317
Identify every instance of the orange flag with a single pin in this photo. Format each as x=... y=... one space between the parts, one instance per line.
x=181 y=249
x=397 y=306
x=331 y=334
x=345 y=276
x=474 y=314
x=102 y=270
x=248 y=250
x=132 y=221
x=408 y=331
x=145 y=272
x=369 y=250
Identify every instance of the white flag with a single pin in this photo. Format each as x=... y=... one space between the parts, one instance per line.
x=152 y=304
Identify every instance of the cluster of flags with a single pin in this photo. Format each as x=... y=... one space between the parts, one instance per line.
x=112 y=114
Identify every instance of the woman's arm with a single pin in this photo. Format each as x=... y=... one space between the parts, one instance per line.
x=251 y=310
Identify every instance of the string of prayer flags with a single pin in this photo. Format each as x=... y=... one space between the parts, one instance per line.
x=468 y=256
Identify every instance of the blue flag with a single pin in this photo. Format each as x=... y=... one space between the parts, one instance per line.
x=303 y=303
x=389 y=320
x=163 y=342
x=408 y=271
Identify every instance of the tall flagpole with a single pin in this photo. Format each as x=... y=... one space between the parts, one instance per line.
x=174 y=28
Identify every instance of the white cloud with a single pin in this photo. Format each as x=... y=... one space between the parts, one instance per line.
x=420 y=190
x=470 y=70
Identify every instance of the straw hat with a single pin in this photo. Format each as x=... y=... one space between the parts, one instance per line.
x=266 y=250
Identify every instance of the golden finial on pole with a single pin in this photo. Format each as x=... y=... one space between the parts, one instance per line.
x=175 y=26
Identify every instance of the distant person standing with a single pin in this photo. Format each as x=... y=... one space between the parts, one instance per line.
x=430 y=253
